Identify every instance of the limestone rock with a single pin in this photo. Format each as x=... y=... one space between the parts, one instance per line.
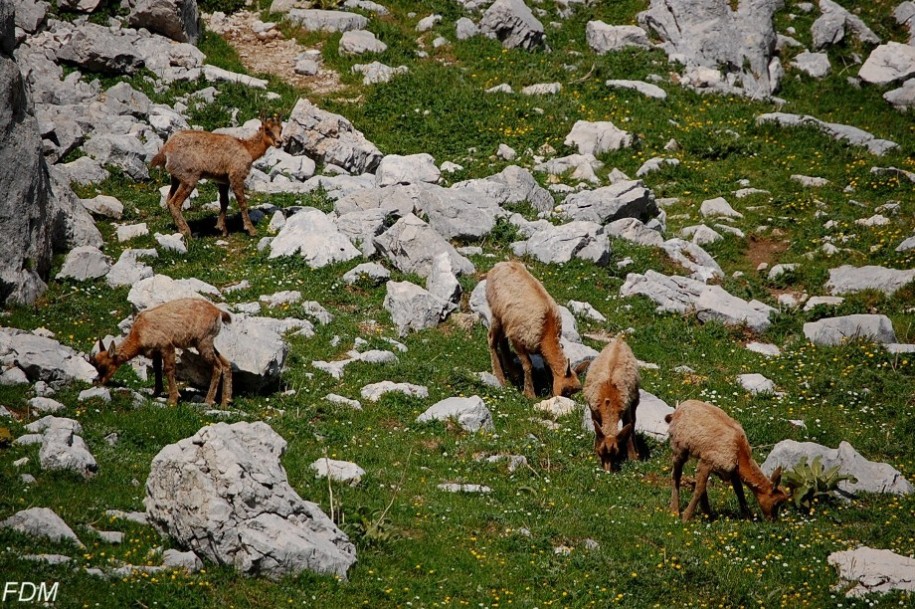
x=513 y=23
x=411 y=245
x=374 y=391
x=357 y=42
x=847 y=279
x=470 y=413
x=409 y=169
x=313 y=235
x=624 y=199
x=158 y=289
x=756 y=383
x=646 y=89
x=41 y=522
x=603 y=38
x=45 y=359
x=852 y=135
x=84 y=263
x=224 y=494
x=597 y=137
x=340 y=471
x=328 y=138
x=559 y=244
x=175 y=19
x=874 y=571
x=412 y=308
x=315 y=20
x=832 y=331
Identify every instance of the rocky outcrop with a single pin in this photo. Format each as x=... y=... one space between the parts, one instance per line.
x=513 y=23
x=176 y=19
x=328 y=138
x=224 y=494
x=25 y=214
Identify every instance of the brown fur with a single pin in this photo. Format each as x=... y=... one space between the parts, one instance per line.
x=698 y=429
x=157 y=332
x=612 y=391
x=191 y=155
x=525 y=315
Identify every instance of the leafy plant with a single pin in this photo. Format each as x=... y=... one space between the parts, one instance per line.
x=812 y=482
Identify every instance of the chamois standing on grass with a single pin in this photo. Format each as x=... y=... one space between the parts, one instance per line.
x=156 y=332
x=612 y=391
x=525 y=315
x=191 y=155
x=704 y=431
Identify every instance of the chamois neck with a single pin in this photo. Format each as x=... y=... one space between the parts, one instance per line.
x=127 y=350
x=554 y=356
x=751 y=474
x=256 y=145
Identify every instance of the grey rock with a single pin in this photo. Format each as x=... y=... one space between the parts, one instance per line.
x=847 y=279
x=756 y=383
x=339 y=471
x=597 y=137
x=12 y=376
x=172 y=243
x=175 y=19
x=369 y=271
x=604 y=38
x=633 y=230
x=374 y=391
x=766 y=349
x=412 y=308
x=45 y=359
x=465 y=28
x=655 y=164
x=328 y=138
x=315 y=20
x=313 y=235
x=906 y=245
x=104 y=206
x=339 y=399
x=279 y=163
x=224 y=494
x=367 y=5
x=100 y=49
x=41 y=522
x=829 y=301
x=715 y=304
x=30 y=14
x=556 y=407
x=625 y=199
x=126 y=232
x=442 y=282
x=543 y=88
x=84 y=263
x=512 y=185
x=813 y=64
x=832 y=331
x=455 y=213
x=84 y=6
x=158 y=289
x=700 y=234
x=559 y=244
x=585 y=309
x=852 y=135
x=905 y=16
x=45 y=405
x=377 y=72
x=128 y=270
x=427 y=23
x=470 y=413
x=315 y=311
x=357 y=42
x=693 y=258
x=513 y=23
x=135 y=517
x=902 y=98
x=506 y=153
x=646 y=89
x=809 y=181
x=871 y=477
x=50 y=559
x=579 y=167
x=830 y=27
x=125 y=152
x=874 y=571
x=396 y=200
x=63 y=450
x=409 y=169
x=672 y=294
x=51 y=422
x=411 y=245
x=455 y=487
x=174 y=559
x=84 y=171
x=708 y=34
x=780 y=270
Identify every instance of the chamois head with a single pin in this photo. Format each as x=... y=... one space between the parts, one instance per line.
x=105 y=362
x=610 y=447
x=771 y=501
x=568 y=383
x=272 y=129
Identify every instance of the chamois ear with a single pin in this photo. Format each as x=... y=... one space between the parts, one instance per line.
x=776 y=476
x=583 y=367
x=112 y=349
x=101 y=345
x=568 y=367
x=624 y=433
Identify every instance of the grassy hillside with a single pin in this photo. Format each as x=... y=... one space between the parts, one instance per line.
x=561 y=532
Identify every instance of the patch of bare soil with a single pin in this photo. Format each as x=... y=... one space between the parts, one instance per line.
x=268 y=52
x=764 y=250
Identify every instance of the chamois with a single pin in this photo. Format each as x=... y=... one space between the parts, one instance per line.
x=698 y=429
x=191 y=155
x=156 y=332
x=525 y=315
x=612 y=391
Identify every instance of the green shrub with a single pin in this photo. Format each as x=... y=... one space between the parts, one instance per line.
x=810 y=483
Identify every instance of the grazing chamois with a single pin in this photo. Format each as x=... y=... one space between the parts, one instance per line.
x=191 y=155
x=612 y=391
x=525 y=315
x=698 y=429
x=158 y=331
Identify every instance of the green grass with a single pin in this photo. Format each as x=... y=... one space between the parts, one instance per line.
x=436 y=549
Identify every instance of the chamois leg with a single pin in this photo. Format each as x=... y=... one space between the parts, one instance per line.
x=223 y=207
x=495 y=338
x=679 y=460
x=174 y=187
x=174 y=207
x=226 y=379
x=157 y=371
x=168 y=361
x=208 y=353
x=741 y=499
x=528 y=368
x=238 y=187
x=703 y=470
x=631 y=449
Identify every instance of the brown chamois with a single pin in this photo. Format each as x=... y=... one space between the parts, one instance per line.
x=698 y=429
x=156 y=332
x=612 y=391
x=191 y=155
x=525 y=315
